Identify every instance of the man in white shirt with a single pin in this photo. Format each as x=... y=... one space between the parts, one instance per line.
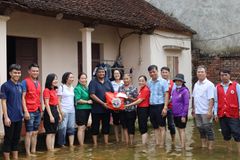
x=203 y=98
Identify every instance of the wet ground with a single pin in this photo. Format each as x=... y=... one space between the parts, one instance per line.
x=119 y=151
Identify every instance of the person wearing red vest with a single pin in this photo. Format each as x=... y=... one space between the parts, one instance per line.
x=226 y=108
x=32 y=108
x=165 y=73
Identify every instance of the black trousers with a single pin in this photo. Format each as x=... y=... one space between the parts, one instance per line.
x=12 y=136
x=96 y=119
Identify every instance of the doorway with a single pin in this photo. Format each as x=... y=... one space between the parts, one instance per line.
x=23 y=51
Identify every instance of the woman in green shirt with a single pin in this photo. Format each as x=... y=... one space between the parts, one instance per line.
x=83 y=108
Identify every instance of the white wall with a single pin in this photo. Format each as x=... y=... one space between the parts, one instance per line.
x=158 y=54
x=136 y=55
x=58 y=40
x=151 y=52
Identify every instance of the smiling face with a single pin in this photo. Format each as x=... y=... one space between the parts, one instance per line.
x=55 y=82
x=153 y=74
x=83 y=80
x=116 y=75
x=126 y=79
x=201 y=74
x=165 y=74
x=15 y=75
x=33 y=72
x=70 y=79
x=101 y=74
x=142 y=82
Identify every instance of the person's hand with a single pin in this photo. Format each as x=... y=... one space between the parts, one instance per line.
x=209 y=114
x=105 y=105
x=90 y=102
x=183 y=119
x=41 y=114
x=216 y=118
x=60 y=118
x=193 y=113
x=52 y=120
x=126 y=106
x=26 y=115
x=62 y=114
x=164 y=111
x=7 y=121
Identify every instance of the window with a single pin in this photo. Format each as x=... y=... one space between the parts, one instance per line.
x=172 y=63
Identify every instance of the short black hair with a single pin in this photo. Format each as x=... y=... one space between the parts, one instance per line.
x=65 y=77
x=33 y=65
x=79 y=76
x=165 y=68
x=224 y=71
x=151 y=67
x=14 y=67
x=50 y=78
x=143 y=76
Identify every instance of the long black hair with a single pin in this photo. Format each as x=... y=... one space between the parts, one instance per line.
x=50 y=78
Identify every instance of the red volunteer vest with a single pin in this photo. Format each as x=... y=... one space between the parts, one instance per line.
x=228 y=103
x=33 y=94
x=169 y=92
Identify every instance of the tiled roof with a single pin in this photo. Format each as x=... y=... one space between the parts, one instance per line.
x=137 y=14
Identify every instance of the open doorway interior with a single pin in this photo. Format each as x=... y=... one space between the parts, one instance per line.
x=23 y=51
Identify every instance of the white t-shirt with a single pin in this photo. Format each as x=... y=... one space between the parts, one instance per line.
x=117 y=85
x=202 y=93
x=67 y=98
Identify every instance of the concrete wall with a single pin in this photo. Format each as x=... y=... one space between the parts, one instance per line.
x=159 y=55
x=138 y=52
x=212 y=19
x=58 y=40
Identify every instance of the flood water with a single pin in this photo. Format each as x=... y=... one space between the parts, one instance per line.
x=119 y=151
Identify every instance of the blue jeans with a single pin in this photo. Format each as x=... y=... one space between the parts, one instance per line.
x=33 y=123
x=67 y=126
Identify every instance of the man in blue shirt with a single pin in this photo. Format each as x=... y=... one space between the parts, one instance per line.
x=12 y=112
x=158 y=104
x=97 y=89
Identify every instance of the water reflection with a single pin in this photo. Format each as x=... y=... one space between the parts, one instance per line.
x=150 y=151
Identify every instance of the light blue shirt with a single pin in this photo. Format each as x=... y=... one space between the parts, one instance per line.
x=225 y=88
x=157 y=89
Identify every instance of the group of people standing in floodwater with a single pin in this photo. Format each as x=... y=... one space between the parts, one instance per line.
x=159 y=99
